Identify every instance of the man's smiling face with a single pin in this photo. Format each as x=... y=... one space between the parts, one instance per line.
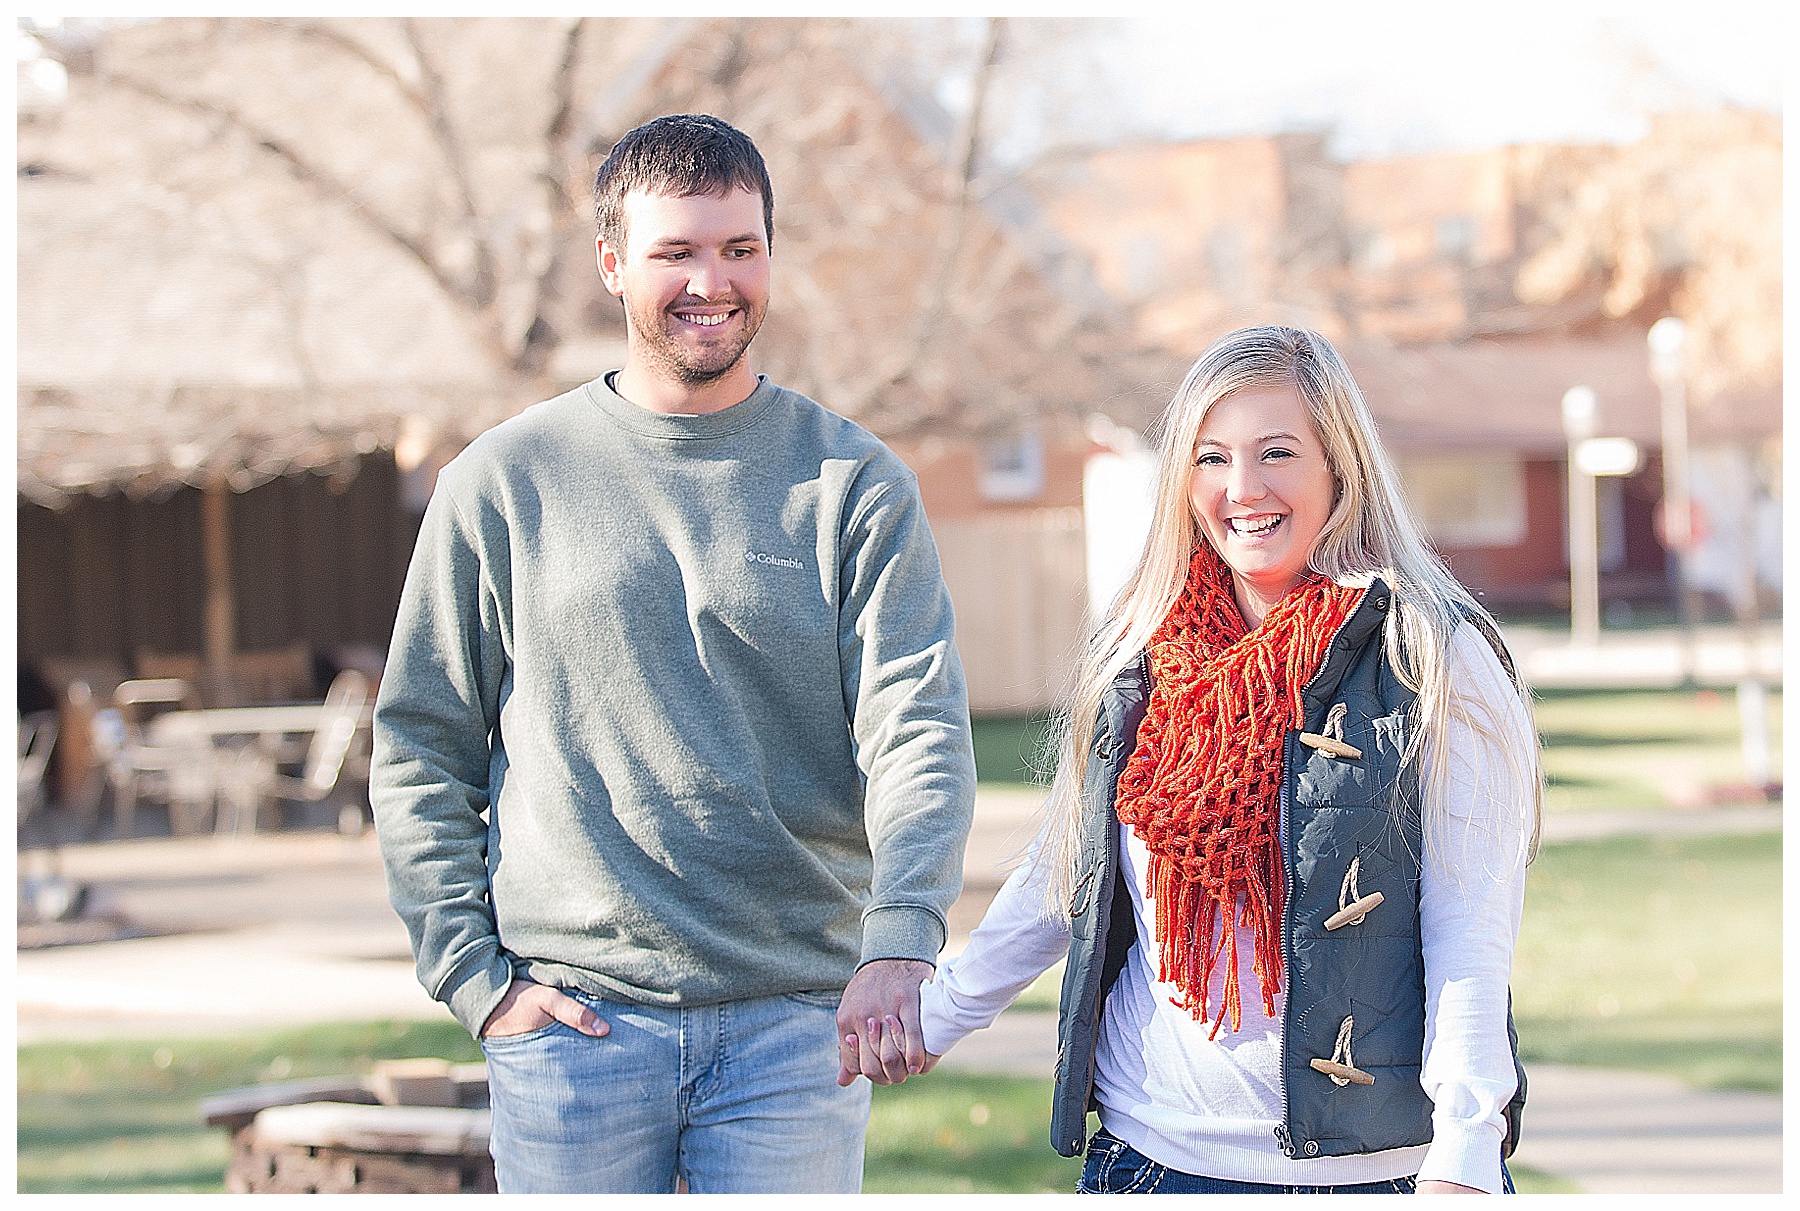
x=694 y=275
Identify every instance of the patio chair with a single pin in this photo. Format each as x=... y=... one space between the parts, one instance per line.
x=253 y=776
x=179 y=774
x=37 y=738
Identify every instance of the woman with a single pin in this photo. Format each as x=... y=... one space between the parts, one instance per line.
x=1285 y=847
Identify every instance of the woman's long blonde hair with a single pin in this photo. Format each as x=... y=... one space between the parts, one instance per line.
x=1369 y=533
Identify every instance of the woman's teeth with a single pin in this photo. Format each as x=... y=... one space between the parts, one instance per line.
x=1254 y=527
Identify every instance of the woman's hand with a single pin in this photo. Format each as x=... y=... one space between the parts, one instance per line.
x=881 y=1050
x=1433 y=1186
x=878 y=1022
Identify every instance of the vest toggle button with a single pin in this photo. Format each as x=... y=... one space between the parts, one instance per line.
x=1312 y=1148
x=1330 y=747
x=1331 y=742
x=1342 y=1074
x=1341 y=1067
x=1352 y=905
x=1354 y=912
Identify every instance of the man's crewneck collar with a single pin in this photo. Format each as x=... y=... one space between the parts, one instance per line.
x=725 y=421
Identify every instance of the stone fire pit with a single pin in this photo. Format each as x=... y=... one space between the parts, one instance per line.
x=409 y=1127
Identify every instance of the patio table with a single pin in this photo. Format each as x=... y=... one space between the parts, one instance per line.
x=217 y=722
x=242 y=746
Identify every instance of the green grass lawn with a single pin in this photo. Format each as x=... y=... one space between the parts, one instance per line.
x=1659 y=954
x=123 y=1116
x=958 y=1132
x=1642 y=748
x=1008 y=747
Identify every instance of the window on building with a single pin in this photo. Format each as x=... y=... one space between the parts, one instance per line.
x=1012 y=468
x=1228 y=261
x=1141 y=258
x=1455 y=238
x=1373 y=251
x=1467 y=498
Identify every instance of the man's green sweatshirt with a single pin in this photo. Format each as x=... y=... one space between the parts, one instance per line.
x=672 y=712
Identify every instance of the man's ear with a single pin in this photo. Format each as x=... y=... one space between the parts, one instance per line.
x=612 y=264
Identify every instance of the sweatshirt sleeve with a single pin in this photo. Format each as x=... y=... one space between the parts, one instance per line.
x=1472 y=895
x=909 y=720
x=429 y=784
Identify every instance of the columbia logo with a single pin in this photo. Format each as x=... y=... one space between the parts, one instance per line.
x=774 y=561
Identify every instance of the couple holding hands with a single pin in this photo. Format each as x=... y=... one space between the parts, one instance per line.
x=673 y=774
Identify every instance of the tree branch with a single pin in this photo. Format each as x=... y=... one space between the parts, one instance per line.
x=305 y=171
x=437 y=113
x=936 y=304
x=540 y=338
x=427 y=100
x=562 y=119
x=321 y=32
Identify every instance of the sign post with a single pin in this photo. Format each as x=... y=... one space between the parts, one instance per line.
x=1589 y=458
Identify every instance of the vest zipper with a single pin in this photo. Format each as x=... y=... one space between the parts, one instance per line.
x=1095 y=974
x=1283 y=1132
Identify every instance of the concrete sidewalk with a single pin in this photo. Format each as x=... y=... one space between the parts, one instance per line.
x=247 y=933
x=286 y=929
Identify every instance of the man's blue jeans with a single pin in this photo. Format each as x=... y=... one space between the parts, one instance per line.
x=736 y=1098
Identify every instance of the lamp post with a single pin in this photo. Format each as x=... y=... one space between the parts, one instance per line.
x=1668 y=365
x=1579 y=408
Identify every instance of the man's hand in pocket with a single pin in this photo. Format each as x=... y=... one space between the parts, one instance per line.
x=527 y=1007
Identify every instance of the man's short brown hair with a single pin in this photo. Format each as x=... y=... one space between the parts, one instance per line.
x=680 y=155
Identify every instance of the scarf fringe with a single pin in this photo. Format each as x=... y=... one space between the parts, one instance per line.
x=1202 y=787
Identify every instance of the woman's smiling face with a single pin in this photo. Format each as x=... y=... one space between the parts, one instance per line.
x=1261 y=491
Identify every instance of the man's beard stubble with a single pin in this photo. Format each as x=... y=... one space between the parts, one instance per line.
x=714 y=362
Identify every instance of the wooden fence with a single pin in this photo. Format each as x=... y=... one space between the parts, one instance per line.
x=1019 y=584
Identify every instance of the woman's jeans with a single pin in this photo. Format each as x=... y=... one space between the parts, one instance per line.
x=740 y=1097
x=1115 y=1167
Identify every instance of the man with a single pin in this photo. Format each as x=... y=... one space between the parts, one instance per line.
x=673 y=741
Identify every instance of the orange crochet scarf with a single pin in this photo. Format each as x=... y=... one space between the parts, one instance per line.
x=1202 y=789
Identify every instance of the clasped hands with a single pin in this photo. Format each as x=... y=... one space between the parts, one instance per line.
x=878 y=1023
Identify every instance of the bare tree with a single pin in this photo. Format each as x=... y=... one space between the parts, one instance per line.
x=1685 y=222
x=459 y=146
x=905 y=298
x=379 y=203
x=455 y=154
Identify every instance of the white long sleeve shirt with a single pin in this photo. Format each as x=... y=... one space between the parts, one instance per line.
x=1210 y=1106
